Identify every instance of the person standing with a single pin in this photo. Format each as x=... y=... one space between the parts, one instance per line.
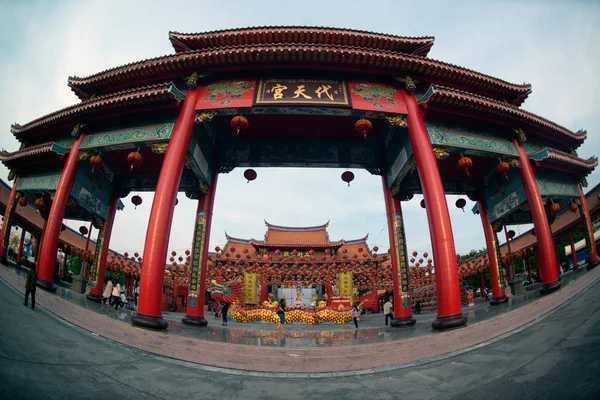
x=387 y=311
x=107 y=294
x=224 y=310
x=136 y=293
x=486 y=293
x=418 y=307
x=116 y=295
x=355 y=315
x=281 y=313
x=30 y=285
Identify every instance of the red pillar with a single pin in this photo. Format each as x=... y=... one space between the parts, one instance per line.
x=498 y=295
x=21 y=242
x=440 y=228
x=329 y=293
x=102 y=245
x=264 y=291
x=508 y=266
x=161 y=217
x=573 y=253
x=546 y=254
x=402 y=301
x=87 y=246
x=49 y=246
x=529 y=269
x=590 y=241
x=10 y=208
x=194 y=314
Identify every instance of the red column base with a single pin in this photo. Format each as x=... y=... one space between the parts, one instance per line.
x=47 y=286
x=593 y=264
x=194 y=321
x=498 y=300
x=550 y=287
x=149 y=321
x=452 y=321
x=404 y=321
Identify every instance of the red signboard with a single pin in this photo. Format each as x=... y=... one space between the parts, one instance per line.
x=371 y=96
x=235 y=93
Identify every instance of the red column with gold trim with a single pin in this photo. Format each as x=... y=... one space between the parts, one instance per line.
x=49 y=245
x=440 y=227
x=98 y=269
x=161 y=217
x=546 y=254
x=592 y=258
x=498 y=295
x=402 y=301
x=10 y=208
x=194 y=314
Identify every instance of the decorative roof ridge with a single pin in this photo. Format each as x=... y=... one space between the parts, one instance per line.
x=453 y=92
x=299 y=27
x=319 y=245
x=35 y=149
x=565 y=157
x=297 y=229
x=143 y=91
x=74 y=81
x=357 y=241
x=237 y=240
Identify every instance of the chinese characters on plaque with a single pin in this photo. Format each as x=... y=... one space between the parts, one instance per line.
x=197 y=248
x=324 y=92
x=401 y=256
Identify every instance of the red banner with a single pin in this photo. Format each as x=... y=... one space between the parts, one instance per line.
x=371 y=96
x=235 y=93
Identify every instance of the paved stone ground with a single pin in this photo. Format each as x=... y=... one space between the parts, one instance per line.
x=42 y=356
x=344 y=351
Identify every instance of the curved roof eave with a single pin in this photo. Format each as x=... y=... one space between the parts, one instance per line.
x=447 y=98
x=258 y=56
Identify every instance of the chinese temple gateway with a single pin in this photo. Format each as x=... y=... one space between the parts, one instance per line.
x=298 y=96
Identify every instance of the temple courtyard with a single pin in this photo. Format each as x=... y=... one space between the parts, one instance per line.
x=69 y=348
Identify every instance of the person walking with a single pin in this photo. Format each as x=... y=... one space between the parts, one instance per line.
x=136 y=293
x=224 y=310
x=107 y=294
x=387 y=311
x=486 y=294
x=116 y=295
x=355 y=315
x=30 y=286
x=281 y=313
x=418 y=307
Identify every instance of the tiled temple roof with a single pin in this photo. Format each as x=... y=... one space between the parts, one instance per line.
x=458 y=101
x=550 y=157
x=25 y=153
x=124 y=101
x=339 y=58
x=298 y=244
x=300 y=35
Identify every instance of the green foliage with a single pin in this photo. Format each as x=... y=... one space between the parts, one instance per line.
x=74 y=265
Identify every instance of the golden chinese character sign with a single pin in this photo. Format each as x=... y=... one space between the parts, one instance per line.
x=250 y=284
x=196 y=263
x=402 y=260
x=96 y=263
x=345 y=283
x=325 y=92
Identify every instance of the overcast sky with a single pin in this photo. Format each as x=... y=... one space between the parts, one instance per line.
x=551 y=44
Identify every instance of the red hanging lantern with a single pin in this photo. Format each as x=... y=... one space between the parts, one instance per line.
x=134 y=158
x=363 y=126
x=83 y=230
x=348 y=177
x=239 y=123
x=554 y=208
x=96 y=162
x=503 y=168
x=465 y=163
x=574 y=207
x=250 y=175
x=461 y=203
x=39 y=203
x=422 y=203
x=176 y=201
x=510 y=234
x=22 y=201
x=136 y=200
